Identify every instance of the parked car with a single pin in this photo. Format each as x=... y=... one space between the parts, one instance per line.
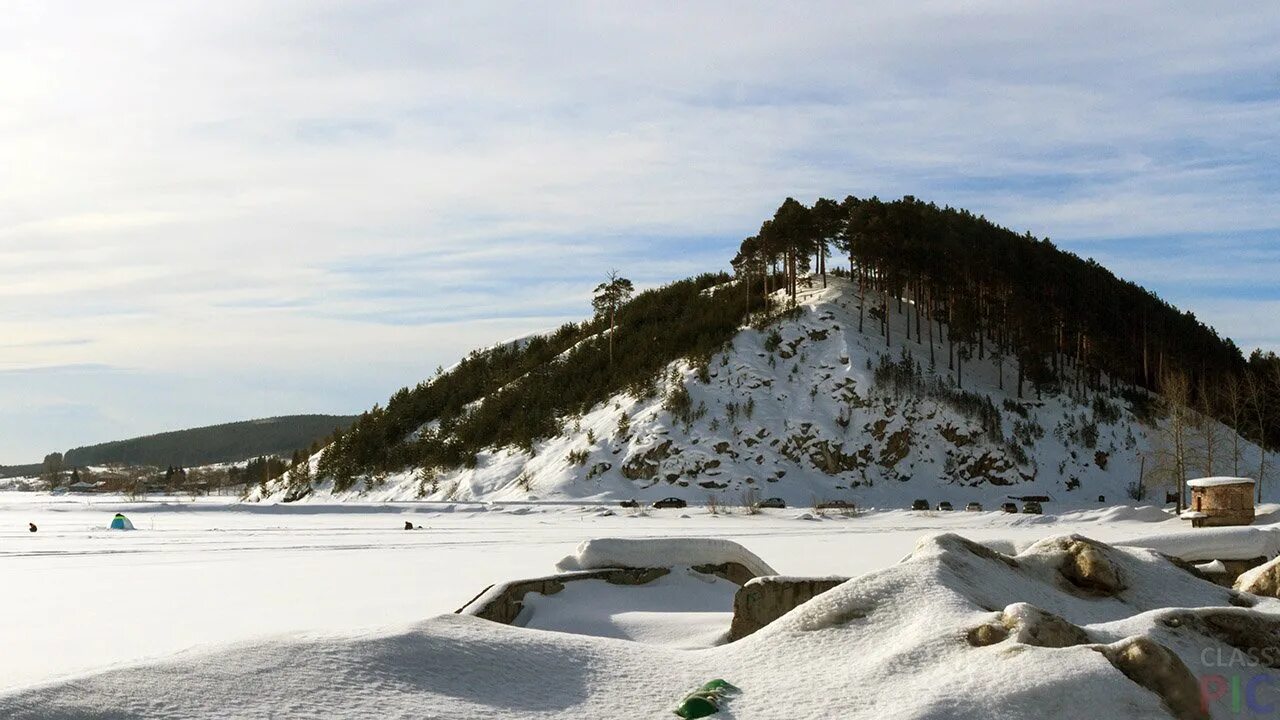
x=920 y=504
x=1009 y=507
x=671 y=502
x=945 y=506
x=973 y=507
x=835 y=505
x=632 y=503
x=773 y=502
x=1031 y=507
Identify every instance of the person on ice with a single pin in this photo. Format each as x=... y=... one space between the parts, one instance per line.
x=120 y=522
x=31 y=527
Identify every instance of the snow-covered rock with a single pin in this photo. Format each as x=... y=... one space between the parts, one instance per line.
x=1262 y=580
x=661 y=552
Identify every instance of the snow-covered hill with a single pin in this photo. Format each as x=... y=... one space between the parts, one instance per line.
x=807 y=409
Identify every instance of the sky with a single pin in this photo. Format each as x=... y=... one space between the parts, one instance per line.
x=219 y=211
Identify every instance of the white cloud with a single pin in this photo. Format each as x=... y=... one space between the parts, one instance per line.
x=235 y=191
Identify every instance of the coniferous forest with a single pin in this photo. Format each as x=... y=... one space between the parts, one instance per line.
x=1056 y=319
x=228 y=442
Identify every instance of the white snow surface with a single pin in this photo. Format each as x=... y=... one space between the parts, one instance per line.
x=1213 y=567
x=1215 y=543
x=684 y=609
x=1218 y=481
x=78 y=598
x=660 y=552
x=888 y=643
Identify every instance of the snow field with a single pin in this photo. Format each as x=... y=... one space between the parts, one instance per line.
x=890 y=643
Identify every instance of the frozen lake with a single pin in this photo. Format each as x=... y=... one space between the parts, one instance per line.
x=76 y=596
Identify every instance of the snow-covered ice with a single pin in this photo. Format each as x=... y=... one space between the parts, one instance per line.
x=334 y=611
x=341 y=595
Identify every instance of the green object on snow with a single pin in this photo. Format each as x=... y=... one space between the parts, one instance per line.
x=697 y=706
x=705 y=700
x=719 y=687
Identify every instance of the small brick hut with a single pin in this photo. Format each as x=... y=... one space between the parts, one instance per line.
x=1221 y=501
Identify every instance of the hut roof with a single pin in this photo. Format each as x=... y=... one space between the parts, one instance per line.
x=1216 y=481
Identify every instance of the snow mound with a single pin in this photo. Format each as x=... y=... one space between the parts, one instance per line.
x=1220 y=543
x=1128 y=513
x=682 y=609
x=661 y=552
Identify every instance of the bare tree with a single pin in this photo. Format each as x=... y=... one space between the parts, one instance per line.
x=1172 y=453
x=1208 y=429
x=1260 y=410
x=1233 y=394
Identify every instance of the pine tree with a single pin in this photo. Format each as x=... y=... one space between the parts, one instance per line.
x=609 y=296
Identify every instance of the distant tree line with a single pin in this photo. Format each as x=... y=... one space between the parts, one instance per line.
x=229 y=442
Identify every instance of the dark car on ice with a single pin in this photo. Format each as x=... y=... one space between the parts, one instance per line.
x=671 y=502
x=920 y=504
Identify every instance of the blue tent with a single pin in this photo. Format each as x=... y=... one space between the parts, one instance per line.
x=120 y=522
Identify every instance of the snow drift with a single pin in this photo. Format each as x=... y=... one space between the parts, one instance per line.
x=661 y=552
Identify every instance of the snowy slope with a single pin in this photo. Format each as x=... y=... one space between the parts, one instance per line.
x=800 y=416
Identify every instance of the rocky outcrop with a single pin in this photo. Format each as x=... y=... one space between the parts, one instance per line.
x=1088 y=569
x=502 y=603
x=765 y=599
x=1259 y=579
x=988 y=634
x=1158 y=669
x=644 y=466
x=1030 y=625
x=1255 y=634
x=734 y=572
